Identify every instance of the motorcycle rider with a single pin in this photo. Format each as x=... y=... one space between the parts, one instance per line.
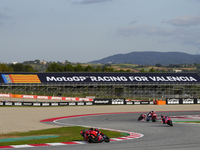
x=86 y=133
x=94 y=135
x=98 y=131
x=150 y=114
x=143 y=116
x=163 y=117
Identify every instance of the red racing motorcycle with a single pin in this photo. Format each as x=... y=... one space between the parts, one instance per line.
x=94 y=136
x=152 y=117
x=168 y=121
x=142 y=116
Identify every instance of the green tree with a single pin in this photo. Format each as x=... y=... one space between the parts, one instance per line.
x=78 y=68
x=89 y=69
x=98 y=69
x=122 y=70
x=68 y=68
x=37 y=61
x=29 y=68
x=54 y=67
x=128 y=70
x=5 y=68
x=152 y=70
x=142 y=70
x=19 y=67
x=107 y=69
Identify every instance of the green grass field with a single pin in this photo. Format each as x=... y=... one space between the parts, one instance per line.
x=62 y=134
x=188 y=121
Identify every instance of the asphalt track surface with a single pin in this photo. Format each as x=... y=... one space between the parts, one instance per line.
x=157 y=136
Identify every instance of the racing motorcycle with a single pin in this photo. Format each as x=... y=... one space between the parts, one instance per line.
x=152 y=117
x=94 y=136
x=168 y=121
x=142 y=116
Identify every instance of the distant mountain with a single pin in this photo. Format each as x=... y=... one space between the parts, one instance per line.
x=151 y=58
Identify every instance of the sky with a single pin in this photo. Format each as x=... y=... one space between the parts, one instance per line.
x=88 y=30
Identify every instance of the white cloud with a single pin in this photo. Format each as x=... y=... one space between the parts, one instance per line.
x=144 y=30
x=133 y=22
x=187 y=36
x=195 y=0
x=90 y=1
x=184 y=21
x=2 y=16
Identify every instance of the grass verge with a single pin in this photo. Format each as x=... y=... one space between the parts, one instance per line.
x=187 y=121
x=65 y=134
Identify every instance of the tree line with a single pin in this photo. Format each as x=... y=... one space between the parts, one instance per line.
x=55 y=67
x=19 y=67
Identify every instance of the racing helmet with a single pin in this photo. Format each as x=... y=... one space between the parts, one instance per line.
x=162 y=116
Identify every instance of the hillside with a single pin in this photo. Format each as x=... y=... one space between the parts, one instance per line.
x=150 y=58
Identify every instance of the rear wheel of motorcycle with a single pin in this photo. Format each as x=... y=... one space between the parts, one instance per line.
x=153 y=119
x=92 y=139
x=170 y=123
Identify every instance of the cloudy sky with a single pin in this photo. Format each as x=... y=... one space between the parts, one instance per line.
x=87 y=30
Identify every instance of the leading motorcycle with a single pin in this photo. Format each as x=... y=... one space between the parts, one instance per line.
x=94 y=136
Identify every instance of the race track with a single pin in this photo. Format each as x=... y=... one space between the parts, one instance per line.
x=157 y=136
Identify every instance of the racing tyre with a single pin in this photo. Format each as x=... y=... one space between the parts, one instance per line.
x=106 y=139
x=154 y=119
x=170 y=123
x=92 y=139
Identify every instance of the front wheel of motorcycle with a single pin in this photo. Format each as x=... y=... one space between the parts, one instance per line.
x=106 y=139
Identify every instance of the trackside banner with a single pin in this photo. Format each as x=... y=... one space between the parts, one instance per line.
x=172 y=101
x=113 y=101
x=61 y=78
x=46 y=103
